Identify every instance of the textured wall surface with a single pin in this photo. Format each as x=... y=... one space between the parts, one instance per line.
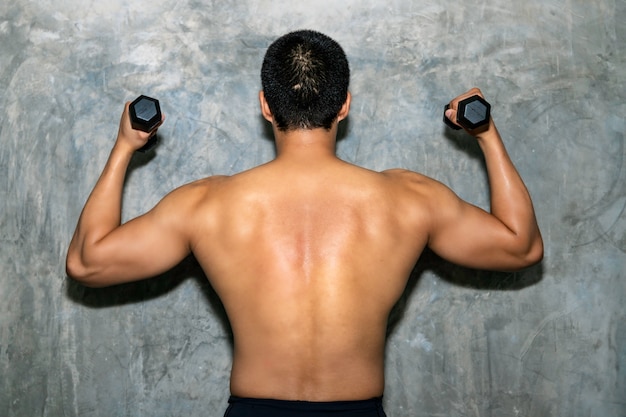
x=549 y=341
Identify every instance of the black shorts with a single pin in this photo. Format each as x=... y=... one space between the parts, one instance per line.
x=251 y=407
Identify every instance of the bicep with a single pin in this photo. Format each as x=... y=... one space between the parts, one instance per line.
x=141 y=248
x=470 y=236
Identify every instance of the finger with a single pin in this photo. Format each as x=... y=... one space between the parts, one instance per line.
x=449 y=118
x=469 y=93
x=153 y=132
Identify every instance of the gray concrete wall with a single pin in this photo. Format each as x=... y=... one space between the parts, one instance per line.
x=549 y=341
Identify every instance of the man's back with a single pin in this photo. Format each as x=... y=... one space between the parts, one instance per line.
x=308 y=261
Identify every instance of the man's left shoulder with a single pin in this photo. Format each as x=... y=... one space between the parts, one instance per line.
x=195 y=191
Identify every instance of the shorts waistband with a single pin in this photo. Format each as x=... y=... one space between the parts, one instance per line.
x=317 y=406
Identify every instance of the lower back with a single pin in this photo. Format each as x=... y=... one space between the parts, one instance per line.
x=313 y=360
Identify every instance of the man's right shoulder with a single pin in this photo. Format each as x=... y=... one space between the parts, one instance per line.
x=417 y=184
x=400 y=175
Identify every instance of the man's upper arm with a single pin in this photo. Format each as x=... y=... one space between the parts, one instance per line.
x=469 y=236
x=143 y=247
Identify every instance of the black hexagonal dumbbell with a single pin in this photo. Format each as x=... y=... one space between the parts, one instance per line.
x=472 y=113
x=145 y=115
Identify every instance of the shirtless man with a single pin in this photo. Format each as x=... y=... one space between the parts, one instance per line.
x=308 y=253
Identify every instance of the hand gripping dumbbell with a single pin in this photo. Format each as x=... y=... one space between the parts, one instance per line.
x=472 y=113
x=145 y=115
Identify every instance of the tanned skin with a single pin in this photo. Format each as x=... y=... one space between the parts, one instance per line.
x=308 y=253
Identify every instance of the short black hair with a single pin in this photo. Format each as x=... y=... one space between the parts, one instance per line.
x=305 y=77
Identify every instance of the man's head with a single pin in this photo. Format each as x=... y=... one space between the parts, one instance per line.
x=305 y=77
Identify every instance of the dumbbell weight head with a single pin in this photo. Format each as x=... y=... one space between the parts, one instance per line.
x=472 y=113
x=145 y=115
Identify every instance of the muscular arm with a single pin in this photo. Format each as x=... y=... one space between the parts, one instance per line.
x=105 y=252
x=508 y=237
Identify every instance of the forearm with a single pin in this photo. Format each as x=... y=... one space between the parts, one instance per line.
x=510 y=200
x=102 y=211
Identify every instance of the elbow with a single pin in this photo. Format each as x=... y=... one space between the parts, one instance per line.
x=532 y=255
x=76 y=269
x=535 y=254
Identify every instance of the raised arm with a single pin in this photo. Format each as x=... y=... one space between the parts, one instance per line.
x=105 y=252
x=507 y=238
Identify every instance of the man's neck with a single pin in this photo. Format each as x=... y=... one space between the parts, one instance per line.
x=309 y=144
